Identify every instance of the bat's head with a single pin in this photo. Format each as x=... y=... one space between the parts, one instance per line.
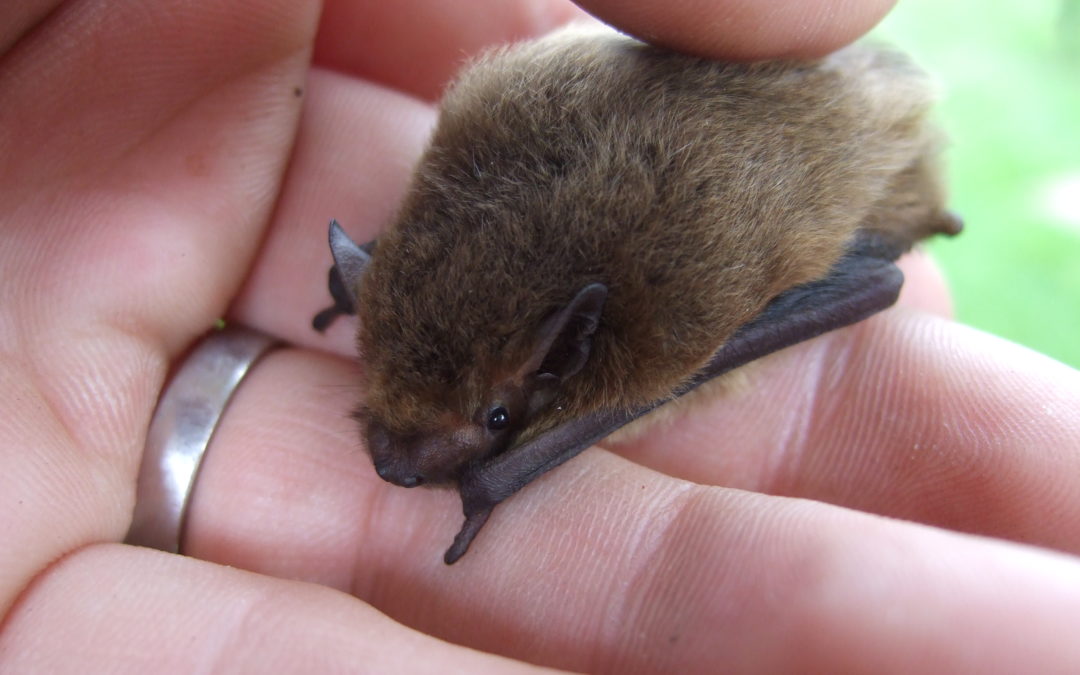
x=433 y=443
x=431 y=411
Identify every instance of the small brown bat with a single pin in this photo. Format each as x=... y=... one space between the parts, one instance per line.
x=599 y=225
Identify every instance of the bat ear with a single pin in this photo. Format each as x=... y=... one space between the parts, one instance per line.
x=545 y=388
x=564 y=340
x=349 y=257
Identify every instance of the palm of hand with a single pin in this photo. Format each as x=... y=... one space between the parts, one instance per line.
x=153 y=179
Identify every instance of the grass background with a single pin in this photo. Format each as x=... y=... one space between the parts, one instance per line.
x=1010 y=76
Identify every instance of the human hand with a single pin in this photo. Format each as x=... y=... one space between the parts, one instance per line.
x=148 y=184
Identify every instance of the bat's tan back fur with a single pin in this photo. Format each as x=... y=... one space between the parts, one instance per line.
x=696 y=191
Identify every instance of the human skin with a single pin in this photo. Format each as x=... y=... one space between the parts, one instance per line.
x=156 y=172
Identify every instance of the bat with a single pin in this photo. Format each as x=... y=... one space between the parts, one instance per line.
x=598 y=226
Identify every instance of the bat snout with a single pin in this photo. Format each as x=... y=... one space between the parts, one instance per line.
x=391 y=463
x=395 y=475
x=413 y=459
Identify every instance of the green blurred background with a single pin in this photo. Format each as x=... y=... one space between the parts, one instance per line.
x=1010 y=75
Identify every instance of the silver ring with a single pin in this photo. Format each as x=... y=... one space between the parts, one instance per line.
x=180 y=431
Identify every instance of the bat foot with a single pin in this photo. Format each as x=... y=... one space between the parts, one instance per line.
x=343 y=301
x=324 y=318
x=950 y=224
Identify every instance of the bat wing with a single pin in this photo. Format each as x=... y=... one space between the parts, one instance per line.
x=863 y=282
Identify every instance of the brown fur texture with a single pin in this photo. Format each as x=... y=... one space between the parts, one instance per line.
x=695 y=190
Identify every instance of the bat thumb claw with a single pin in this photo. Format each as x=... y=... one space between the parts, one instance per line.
x=473 y=522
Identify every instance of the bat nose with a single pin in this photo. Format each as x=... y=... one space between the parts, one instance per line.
x=404 y=479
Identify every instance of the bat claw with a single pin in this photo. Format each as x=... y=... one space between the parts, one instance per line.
x=473 y=522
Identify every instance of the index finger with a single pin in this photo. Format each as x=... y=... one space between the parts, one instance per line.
x=745 y=29
x=607 y=566
x=417 y=45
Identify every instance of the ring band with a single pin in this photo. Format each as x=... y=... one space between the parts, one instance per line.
x=181 y=429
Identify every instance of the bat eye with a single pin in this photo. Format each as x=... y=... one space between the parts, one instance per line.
x=498 y=418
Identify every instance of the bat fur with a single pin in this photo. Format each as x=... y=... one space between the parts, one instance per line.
x=694 y=191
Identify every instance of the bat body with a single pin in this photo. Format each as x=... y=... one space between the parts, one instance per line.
x=596 y=221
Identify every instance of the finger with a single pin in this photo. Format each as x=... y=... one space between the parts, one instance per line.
x=355 y=149
x=904 y=415
x=417 y=45
x=605 y=565
x=924 y=286
x=745 y=29
x=149 y=180
x=164 y=609
x=18 y=18
x=140 y=147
